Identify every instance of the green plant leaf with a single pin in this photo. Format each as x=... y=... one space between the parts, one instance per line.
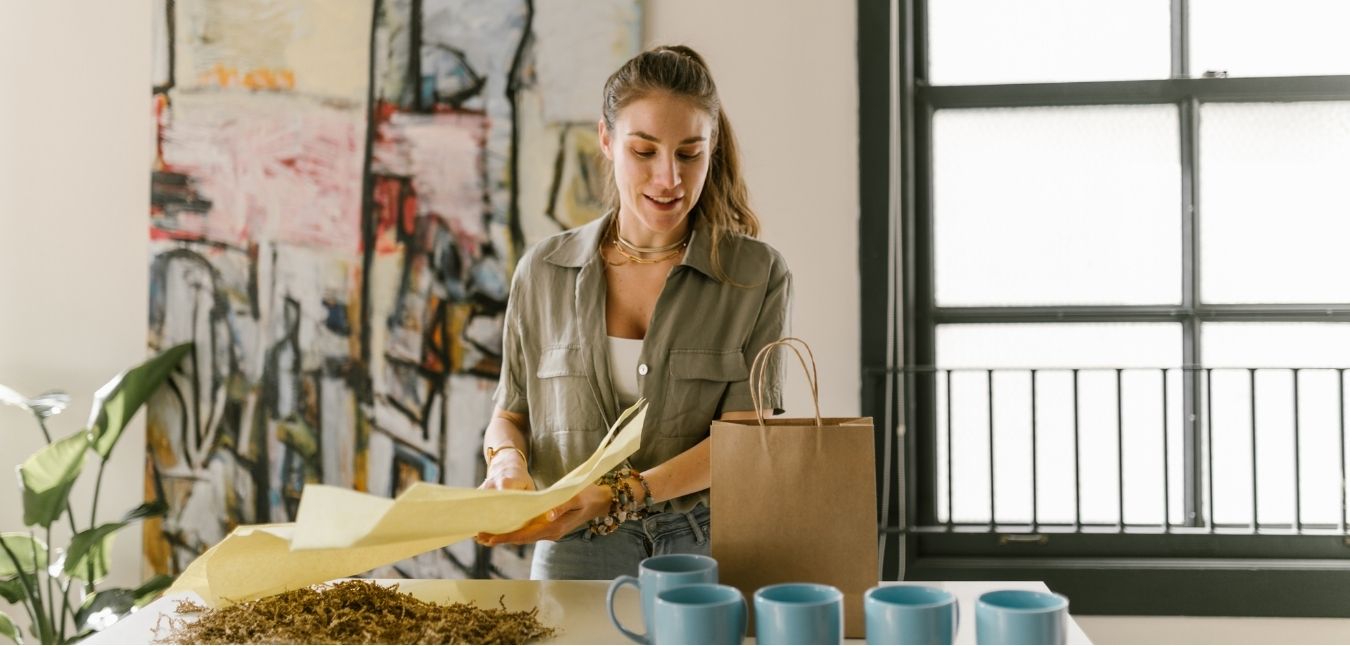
x=47 y=477
x=7 y=628
x=119 y=399
x=25 y=548
x=12 y=590
x=91 y=548
x=151 y=589
x=146 y=510
x=104 y=608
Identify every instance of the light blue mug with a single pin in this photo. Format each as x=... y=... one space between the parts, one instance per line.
x=657 y=573
x=911 y=614
x=701 y=613
x=1021 y=617
x=799 y=613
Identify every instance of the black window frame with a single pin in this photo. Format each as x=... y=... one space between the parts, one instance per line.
x=1120 y=573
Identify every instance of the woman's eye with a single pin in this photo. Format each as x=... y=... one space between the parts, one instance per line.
x=690 y=156
x=644 y=153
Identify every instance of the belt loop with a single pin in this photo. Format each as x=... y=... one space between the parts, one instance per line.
x=699 y=536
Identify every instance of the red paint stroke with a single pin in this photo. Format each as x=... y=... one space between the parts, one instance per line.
x=386 y=192
x=158 y=235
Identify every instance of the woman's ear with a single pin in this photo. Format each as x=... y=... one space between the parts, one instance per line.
x=604 y=139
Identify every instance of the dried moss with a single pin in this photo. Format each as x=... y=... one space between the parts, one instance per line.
x=353 y=612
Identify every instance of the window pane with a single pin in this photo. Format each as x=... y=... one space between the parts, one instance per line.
x=1057 y=206
x=996 y=41
x=1262 y=38
x=1100 y=348
x=1277 y=346
x=1273 y=202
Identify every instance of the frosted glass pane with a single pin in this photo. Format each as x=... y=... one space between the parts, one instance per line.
x=1275 y=345
x=1059 y=345
x=1014 y=347
x=996 y=41
x=1245 y=345
x=1263 y=38
x=1057 y=206
x=1274 y=202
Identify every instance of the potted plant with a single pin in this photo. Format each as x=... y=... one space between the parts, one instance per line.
x=40 y=578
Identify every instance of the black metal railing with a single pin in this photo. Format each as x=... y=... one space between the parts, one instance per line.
x=1272 y=460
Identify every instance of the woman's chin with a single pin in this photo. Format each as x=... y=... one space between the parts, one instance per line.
x=662 y=223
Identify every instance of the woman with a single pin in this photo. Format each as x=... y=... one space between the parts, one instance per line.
x=668 y=297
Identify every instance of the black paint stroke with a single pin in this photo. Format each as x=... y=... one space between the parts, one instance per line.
x=170 y=38
x=368 y=220
x=555 y=185
x=513 y=87
x=414 y=75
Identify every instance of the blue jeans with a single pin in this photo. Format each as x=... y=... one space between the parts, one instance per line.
x=580 y=555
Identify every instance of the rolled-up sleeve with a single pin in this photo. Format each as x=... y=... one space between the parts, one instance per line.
x=511 y=386
x=770 y=325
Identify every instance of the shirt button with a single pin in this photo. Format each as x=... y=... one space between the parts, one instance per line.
x=642 y=369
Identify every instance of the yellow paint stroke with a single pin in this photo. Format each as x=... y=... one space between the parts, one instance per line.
x=339 y=532
x=258 y=78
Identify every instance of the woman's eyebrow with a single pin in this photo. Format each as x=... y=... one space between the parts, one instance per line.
x=642 y=135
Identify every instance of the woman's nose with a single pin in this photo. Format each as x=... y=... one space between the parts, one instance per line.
x=667 y=173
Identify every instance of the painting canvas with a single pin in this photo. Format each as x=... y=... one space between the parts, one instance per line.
x=340 y=191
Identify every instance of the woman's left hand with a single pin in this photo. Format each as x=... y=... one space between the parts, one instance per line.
x=591 y=502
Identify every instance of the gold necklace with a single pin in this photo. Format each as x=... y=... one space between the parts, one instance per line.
x=618 y=239
x=619 y=246
x=640 y=260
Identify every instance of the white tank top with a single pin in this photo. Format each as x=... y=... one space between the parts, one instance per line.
x=623 y=369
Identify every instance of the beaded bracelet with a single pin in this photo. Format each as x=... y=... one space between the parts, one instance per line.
x=624 y=504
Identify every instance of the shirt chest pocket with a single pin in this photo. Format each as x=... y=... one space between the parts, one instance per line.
x=566 y=397
x=698 y=380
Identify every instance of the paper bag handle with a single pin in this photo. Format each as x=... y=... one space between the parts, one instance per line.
x=761 y=362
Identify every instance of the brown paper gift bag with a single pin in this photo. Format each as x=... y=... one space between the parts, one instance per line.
x=794 y=500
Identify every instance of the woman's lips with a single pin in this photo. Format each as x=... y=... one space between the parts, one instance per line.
x=659 y=205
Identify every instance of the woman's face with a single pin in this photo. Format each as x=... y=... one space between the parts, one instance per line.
x=660 y=149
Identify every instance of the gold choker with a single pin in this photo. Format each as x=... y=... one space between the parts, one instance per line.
x=632 y=253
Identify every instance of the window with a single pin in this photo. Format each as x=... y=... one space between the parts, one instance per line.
x=1106 y=295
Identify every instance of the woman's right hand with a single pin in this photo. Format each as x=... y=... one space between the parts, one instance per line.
x=508 y=471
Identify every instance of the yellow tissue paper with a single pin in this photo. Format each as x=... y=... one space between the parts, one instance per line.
x=339 y=532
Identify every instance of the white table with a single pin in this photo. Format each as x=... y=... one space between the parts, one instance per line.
x=577 y=608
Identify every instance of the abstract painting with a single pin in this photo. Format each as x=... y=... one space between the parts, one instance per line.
x=340 y=192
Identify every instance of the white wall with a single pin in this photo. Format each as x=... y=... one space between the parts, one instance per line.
x=74 y=198
x=787 y=74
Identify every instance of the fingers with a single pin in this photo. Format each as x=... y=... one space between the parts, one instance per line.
x=493 y=540
x=543 y=528
x=506 y=483
x=527 y=533
x=563 y=509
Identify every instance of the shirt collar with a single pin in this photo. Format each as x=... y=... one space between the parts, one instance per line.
x=579 y=245
x=583 y=245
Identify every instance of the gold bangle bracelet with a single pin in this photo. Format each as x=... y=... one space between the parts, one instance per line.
x=492 y=451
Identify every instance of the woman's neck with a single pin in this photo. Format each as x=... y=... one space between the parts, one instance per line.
x=632 y=232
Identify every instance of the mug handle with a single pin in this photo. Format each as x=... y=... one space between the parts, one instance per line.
x=956 y=619
x=745 y=614
x=614 y=619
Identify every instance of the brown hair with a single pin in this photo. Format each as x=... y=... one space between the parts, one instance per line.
x=680 y=71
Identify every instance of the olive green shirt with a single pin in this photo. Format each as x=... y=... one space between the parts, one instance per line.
x=695 y=359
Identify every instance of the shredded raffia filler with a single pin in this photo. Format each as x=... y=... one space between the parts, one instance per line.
x=352 y=612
